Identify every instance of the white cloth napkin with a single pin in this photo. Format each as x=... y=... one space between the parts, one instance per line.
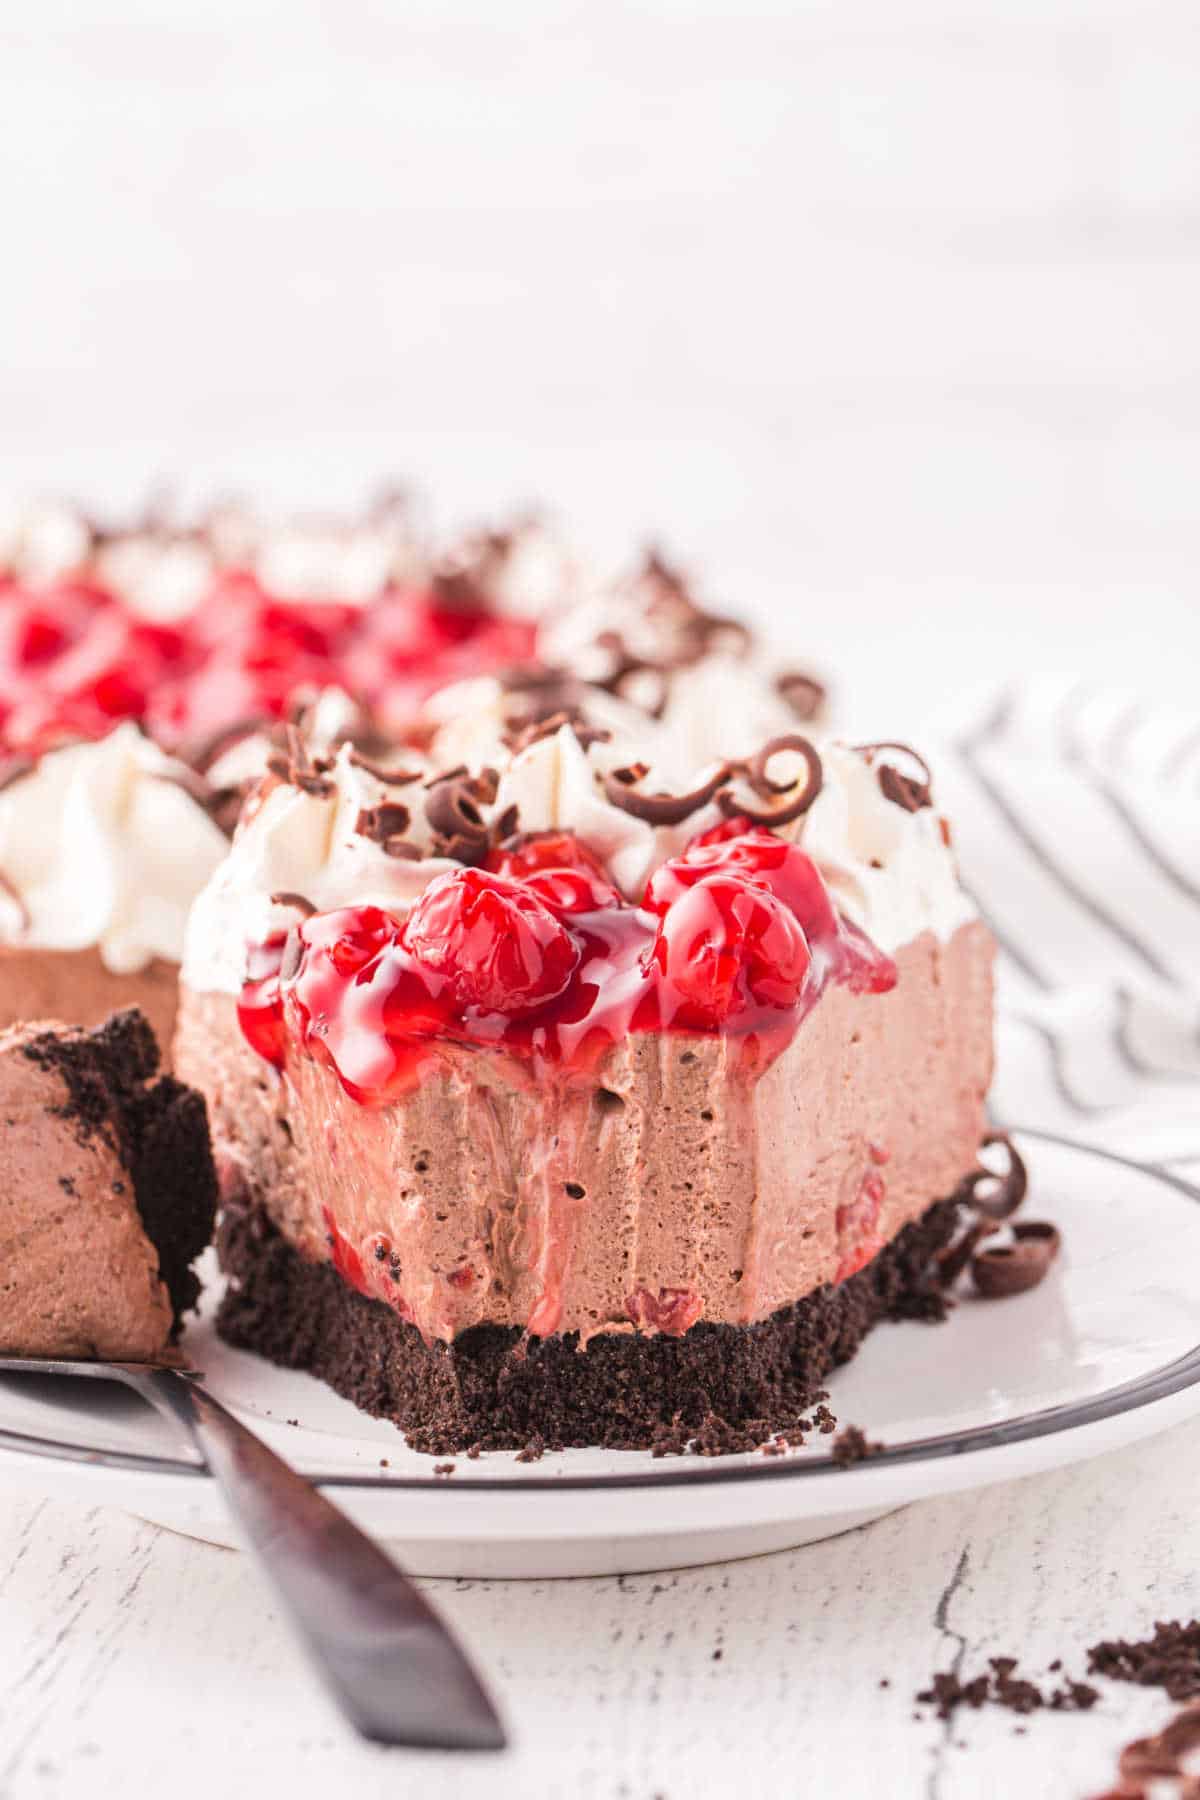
x=1076 y=816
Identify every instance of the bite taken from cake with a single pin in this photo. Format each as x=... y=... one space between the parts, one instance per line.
x=563 y=1088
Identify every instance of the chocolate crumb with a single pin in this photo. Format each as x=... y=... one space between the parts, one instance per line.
x=534 y=1450
x=1169 y=1659
x=444 y=1468
x=1002 y=1686
x=852 y=1445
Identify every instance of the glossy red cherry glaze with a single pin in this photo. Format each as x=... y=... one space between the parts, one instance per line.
x=485 y=960
x=74 y=660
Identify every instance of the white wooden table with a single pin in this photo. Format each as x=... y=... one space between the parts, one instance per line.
x=136 y=1663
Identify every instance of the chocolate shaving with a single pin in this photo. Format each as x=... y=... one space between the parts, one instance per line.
x=1002 y=1200
x=1015 y=1268
x=452 y=810
x=911 y=792
x=696 y=627
x=620 y=786
x=297 y=900
x=804 y=695
x=950 y=1262
x=295 y=764
x=760 y=781
x=519 y=737
x=381 y=823
x=224 y=805
x=387 y=777
x=626 y=668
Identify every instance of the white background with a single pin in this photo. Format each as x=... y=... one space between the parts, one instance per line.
x=884 y=311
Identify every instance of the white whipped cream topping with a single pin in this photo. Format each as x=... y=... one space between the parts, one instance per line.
x=161 y=578
x=308 y=845
x=42 y=540
x=100 y=845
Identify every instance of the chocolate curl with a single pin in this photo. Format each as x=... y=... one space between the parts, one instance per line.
x=911 y=792
x=758 y=775
x=452 y=809
x=949 y=1263
x=520 y=737
x=385 y=776
x=298 y=901
x=804 y=695
x=620 y=786
x=1162 y=1755
x=1002 y=1200
x=1015 y=1268
x=626 y=667
x=295 y=764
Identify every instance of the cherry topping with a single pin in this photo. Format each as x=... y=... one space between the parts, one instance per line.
x=499 y=946
x=539 y=956
x=726 y=944
x=560 y=870
x=260 y=1007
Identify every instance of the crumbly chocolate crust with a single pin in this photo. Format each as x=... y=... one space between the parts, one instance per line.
x=158 y=1128
x=494 y=1389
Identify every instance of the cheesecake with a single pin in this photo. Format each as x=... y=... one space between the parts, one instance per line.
x=565 y=1090
x=149 y=676
x=109 y=1193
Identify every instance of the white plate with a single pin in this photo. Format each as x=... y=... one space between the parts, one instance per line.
x=1106 y=1351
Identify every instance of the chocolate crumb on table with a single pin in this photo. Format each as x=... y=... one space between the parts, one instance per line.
x=1000 y=1685
x=1169 y=1659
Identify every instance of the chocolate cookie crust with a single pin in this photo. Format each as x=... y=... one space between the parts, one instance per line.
x=497 y=1390
x=159 y=1129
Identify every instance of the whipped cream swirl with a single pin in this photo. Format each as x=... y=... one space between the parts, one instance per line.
x=102 y=844
x=890 y=869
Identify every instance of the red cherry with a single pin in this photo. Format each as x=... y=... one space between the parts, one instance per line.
x=38 y=637
x=726 y=943
x=498 y=945
x=351 y=937
x=759 y=856
x=559 y=870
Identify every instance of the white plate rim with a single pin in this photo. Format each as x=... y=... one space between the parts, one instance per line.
x=1146 y=1390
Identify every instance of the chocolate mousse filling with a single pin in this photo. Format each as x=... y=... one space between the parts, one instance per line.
x=140 y=1164
x=496 y=1388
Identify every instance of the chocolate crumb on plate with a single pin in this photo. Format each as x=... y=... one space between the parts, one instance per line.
x=852 y=1445
x=446 y=1468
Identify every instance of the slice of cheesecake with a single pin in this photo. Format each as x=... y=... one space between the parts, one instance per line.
x=108 y=1193
x=550 y=1101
